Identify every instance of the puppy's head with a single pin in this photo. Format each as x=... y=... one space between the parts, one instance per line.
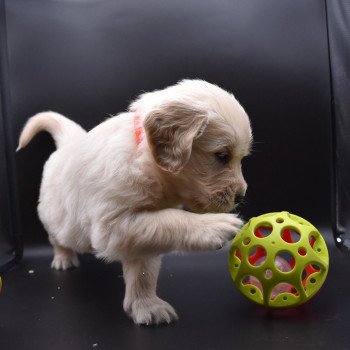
x=198 y=134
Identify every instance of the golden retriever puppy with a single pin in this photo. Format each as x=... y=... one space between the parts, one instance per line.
x=116 y=190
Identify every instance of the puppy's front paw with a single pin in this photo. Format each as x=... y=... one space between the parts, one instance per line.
x=148 y=311
x=216 y=230
x=64 y=262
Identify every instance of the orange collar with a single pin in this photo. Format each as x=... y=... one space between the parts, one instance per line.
x=138 y=129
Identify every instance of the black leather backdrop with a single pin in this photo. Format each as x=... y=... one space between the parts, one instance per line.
x=10 y=233
x=86 y=59
x=339 y=43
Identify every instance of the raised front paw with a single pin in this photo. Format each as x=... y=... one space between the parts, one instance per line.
x=148 y=311
x=215 y=230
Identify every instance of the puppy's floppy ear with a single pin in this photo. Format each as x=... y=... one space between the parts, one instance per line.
x=171 y=129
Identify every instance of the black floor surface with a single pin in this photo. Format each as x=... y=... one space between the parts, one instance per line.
x=42 y=309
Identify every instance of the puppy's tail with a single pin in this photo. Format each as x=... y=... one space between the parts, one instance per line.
x=62 y=129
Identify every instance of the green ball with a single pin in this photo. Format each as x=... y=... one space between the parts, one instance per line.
x=278 y=260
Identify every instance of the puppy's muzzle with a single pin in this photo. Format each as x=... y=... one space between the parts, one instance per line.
x=239 y=198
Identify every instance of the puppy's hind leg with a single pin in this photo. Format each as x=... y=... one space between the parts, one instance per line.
x=64 y=258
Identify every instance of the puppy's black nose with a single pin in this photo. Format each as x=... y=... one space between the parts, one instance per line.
x=239 y=198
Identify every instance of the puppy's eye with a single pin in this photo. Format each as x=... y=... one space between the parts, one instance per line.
x=222 y=157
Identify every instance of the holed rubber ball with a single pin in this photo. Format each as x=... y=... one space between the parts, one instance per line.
x=278 y=260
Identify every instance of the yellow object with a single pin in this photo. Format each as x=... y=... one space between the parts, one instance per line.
x=278 y=260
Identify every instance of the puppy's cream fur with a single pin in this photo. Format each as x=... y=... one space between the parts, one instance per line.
x=103 y=193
